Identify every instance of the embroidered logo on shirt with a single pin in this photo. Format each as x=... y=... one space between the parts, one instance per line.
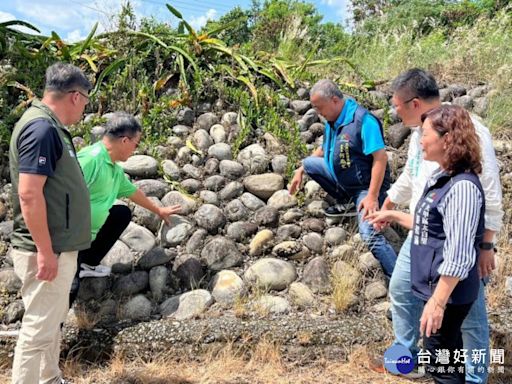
x=420 y=228
x=414 y=164
x=71 y=150
x=345 y=151
x=42 y=160
x=430 y=197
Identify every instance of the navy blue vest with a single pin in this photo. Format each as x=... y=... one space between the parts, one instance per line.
x=428 y=241
x=352 y=167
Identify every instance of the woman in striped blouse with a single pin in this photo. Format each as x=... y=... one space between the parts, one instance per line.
x=447 y=228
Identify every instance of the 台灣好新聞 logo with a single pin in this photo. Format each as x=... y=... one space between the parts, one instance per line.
x=398 y=360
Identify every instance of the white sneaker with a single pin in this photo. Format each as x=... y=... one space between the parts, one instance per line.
x=11 y=333
x=94 y=271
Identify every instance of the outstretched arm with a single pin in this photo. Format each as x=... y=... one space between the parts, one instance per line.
x=402 y=218
x=299 y=173
x=141 y=199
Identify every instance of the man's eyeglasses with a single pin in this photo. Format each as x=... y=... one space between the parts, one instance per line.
x=81 y=93
x=405 y=102
x=132 y=139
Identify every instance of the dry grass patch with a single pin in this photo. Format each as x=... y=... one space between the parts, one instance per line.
x=240 y=306
x=248 y=302
x=85 y=319
x=160 y=370
x=262 y=365
x=231 y=364
x=343 y=291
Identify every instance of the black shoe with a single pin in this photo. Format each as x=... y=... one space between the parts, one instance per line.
x=341 y=210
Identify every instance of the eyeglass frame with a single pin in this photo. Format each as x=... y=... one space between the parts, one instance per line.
x=405 y=102
x=131 y=139
x=81 y=93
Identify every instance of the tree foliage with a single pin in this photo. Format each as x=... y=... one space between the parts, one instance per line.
x=271 y=18
x=153 y=68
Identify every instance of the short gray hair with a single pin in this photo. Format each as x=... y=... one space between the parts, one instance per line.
x=326 y=88
x=416 y=82
x=62 y=77
x=122 y=124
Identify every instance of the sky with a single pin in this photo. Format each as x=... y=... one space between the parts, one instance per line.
x=74 y=19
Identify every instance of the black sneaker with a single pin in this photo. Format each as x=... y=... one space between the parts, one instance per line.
x=341 y=210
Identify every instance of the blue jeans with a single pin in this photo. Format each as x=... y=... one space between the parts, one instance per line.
x=407 y=309
x=316 y=169
x=375 y=241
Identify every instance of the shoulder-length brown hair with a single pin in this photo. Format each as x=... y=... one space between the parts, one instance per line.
x=462 y=144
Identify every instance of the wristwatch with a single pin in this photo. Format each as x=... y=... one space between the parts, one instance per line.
x=486 y=246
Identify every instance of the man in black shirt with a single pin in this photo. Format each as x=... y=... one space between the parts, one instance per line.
x=51 y=219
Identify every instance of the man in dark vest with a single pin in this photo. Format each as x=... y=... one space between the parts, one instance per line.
x=351 y=164
x=52 y=219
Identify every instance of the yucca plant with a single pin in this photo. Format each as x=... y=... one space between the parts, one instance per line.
x=192 y=50
x=88 y=51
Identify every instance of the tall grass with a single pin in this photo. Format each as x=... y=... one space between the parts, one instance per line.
x=469 y=54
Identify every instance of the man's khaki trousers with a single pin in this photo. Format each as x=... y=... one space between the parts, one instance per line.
x=36 y=357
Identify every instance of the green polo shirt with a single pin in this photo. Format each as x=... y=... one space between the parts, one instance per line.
x=105 y=181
